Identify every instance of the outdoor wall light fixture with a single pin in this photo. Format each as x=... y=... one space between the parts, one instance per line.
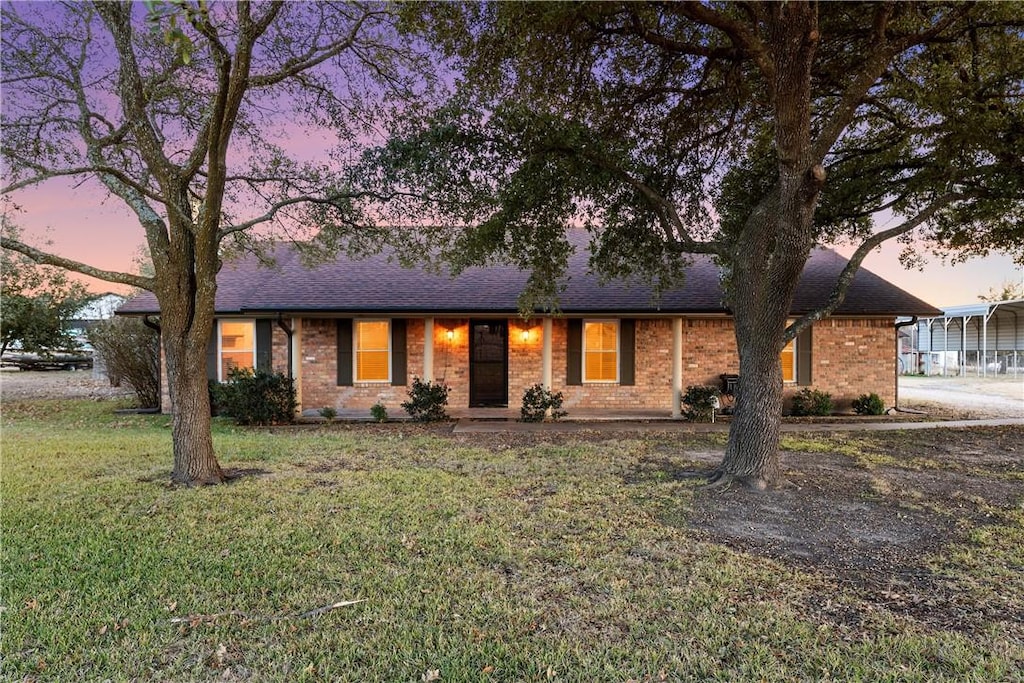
x=450 y=334
x=526 y=335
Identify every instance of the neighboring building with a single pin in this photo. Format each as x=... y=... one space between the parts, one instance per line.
x=103 y=307
x=985 y=338
x=355 y=332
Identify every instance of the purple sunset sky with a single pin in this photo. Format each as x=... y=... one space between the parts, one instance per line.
x=85 y=224
x=102 y=233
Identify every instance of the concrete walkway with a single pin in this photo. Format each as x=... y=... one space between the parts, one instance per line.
x=468 y=425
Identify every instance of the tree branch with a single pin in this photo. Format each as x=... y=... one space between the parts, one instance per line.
x=739 y=34
x=672 y=224
x=314 y=56
x=845 y=278
x=309 y=199
x=44 y=174
x=48 y=259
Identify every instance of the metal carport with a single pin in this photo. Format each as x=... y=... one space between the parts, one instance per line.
x=986 y=337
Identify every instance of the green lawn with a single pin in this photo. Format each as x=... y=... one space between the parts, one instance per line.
x=500 y=559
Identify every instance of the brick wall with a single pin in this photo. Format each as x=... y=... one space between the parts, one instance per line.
x=320 y=371
x=653 y=388
x=451 y=359
x=853 y=357
x=709 y=350
x=525 y=358
x=279 y=349
x=850 y=357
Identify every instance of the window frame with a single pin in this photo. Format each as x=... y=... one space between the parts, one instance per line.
x=221 y=375
x=791 y=344
x=618 y=350
x=356 y=324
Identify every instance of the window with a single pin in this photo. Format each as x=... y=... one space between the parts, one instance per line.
x=237 y=346
x=600 y=351
x=373 y=345
x=788 y=360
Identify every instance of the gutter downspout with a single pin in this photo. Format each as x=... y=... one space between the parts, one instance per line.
x=151 y=324
x=896 y=384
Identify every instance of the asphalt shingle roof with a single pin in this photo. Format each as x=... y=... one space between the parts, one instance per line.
x=378 y=284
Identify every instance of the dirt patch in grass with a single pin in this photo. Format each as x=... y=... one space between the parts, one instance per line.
x=885 y=514
x=56 y=384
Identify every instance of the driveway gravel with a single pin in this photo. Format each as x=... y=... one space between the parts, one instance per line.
x=964 y=397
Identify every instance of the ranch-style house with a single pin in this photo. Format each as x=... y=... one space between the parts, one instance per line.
x=353 y=333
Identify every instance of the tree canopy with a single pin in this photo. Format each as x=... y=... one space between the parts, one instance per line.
x=37 y=304
x=750 y=131
x=661 y=122
x=195 y=116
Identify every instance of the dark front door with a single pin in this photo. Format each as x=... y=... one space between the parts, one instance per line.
x=488 y=363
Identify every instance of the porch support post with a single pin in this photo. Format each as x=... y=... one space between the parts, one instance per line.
x=677 y=367
x=428 y=350
x=296 y=359
x=945 y=343
x=963 y=345
x=545 y=366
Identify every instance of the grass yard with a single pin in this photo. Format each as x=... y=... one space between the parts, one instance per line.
x=546 y=557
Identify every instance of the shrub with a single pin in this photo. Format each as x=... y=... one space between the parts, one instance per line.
x=216 y=396
x=380 y=412
x=130 y=351
x=427 y=401
x=812 y=402
x=868 y=404
x=328 y=413
x=257 y=398
x=536 y=402
x=699 y=402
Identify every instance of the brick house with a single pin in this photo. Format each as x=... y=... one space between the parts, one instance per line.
x=355 y=332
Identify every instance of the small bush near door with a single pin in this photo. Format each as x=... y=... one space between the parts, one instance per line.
x=536 y=402
x=812 y=402
x=699 y=402
x=427 y=401
x=257 y=398
x=868 y=404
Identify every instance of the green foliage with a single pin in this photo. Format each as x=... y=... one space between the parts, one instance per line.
x=811 y=402
x=1008 y=291
x=537 y=401
x=427 y=401
x=173 y=34
x=257 y=398
x=130 y=351
x=868 y=404
x=328 y=413
x=379 y=412
x=36 y=303
x=699 y=402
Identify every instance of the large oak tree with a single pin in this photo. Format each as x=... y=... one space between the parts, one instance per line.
x=182 y=111
x=748 y=131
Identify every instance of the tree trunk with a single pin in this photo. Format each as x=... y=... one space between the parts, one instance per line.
x=770 y=253
x=752 y=452
x=186 y=333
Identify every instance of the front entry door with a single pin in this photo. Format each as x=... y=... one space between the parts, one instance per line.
x=488 y=363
